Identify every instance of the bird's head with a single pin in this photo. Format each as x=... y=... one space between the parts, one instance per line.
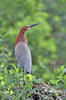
x=24 y=28
x=20 y=36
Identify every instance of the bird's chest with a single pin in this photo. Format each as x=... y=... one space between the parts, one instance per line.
x=22 y=49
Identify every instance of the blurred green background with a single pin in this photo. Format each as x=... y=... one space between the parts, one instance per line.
x=46 y=41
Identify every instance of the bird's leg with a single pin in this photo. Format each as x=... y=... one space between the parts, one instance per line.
x=23 y=78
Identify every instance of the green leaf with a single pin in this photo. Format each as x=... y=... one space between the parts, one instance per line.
x=62 y=67
x=2 y=83
x=1 y=78
x=64 y=71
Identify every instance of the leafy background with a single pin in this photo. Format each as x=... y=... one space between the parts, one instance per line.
x=46 y=41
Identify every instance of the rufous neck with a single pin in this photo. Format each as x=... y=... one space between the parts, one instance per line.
x=21 y=32
x=20 y=38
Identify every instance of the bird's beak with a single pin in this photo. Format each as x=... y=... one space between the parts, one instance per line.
x=30 y=26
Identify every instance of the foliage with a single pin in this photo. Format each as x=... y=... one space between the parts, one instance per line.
x=12 y=83
x=60 y=78
x=46 y=41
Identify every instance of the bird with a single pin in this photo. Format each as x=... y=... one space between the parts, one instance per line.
x=22 y=51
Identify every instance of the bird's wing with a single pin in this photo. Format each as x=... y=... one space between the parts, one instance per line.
x=23 y=56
